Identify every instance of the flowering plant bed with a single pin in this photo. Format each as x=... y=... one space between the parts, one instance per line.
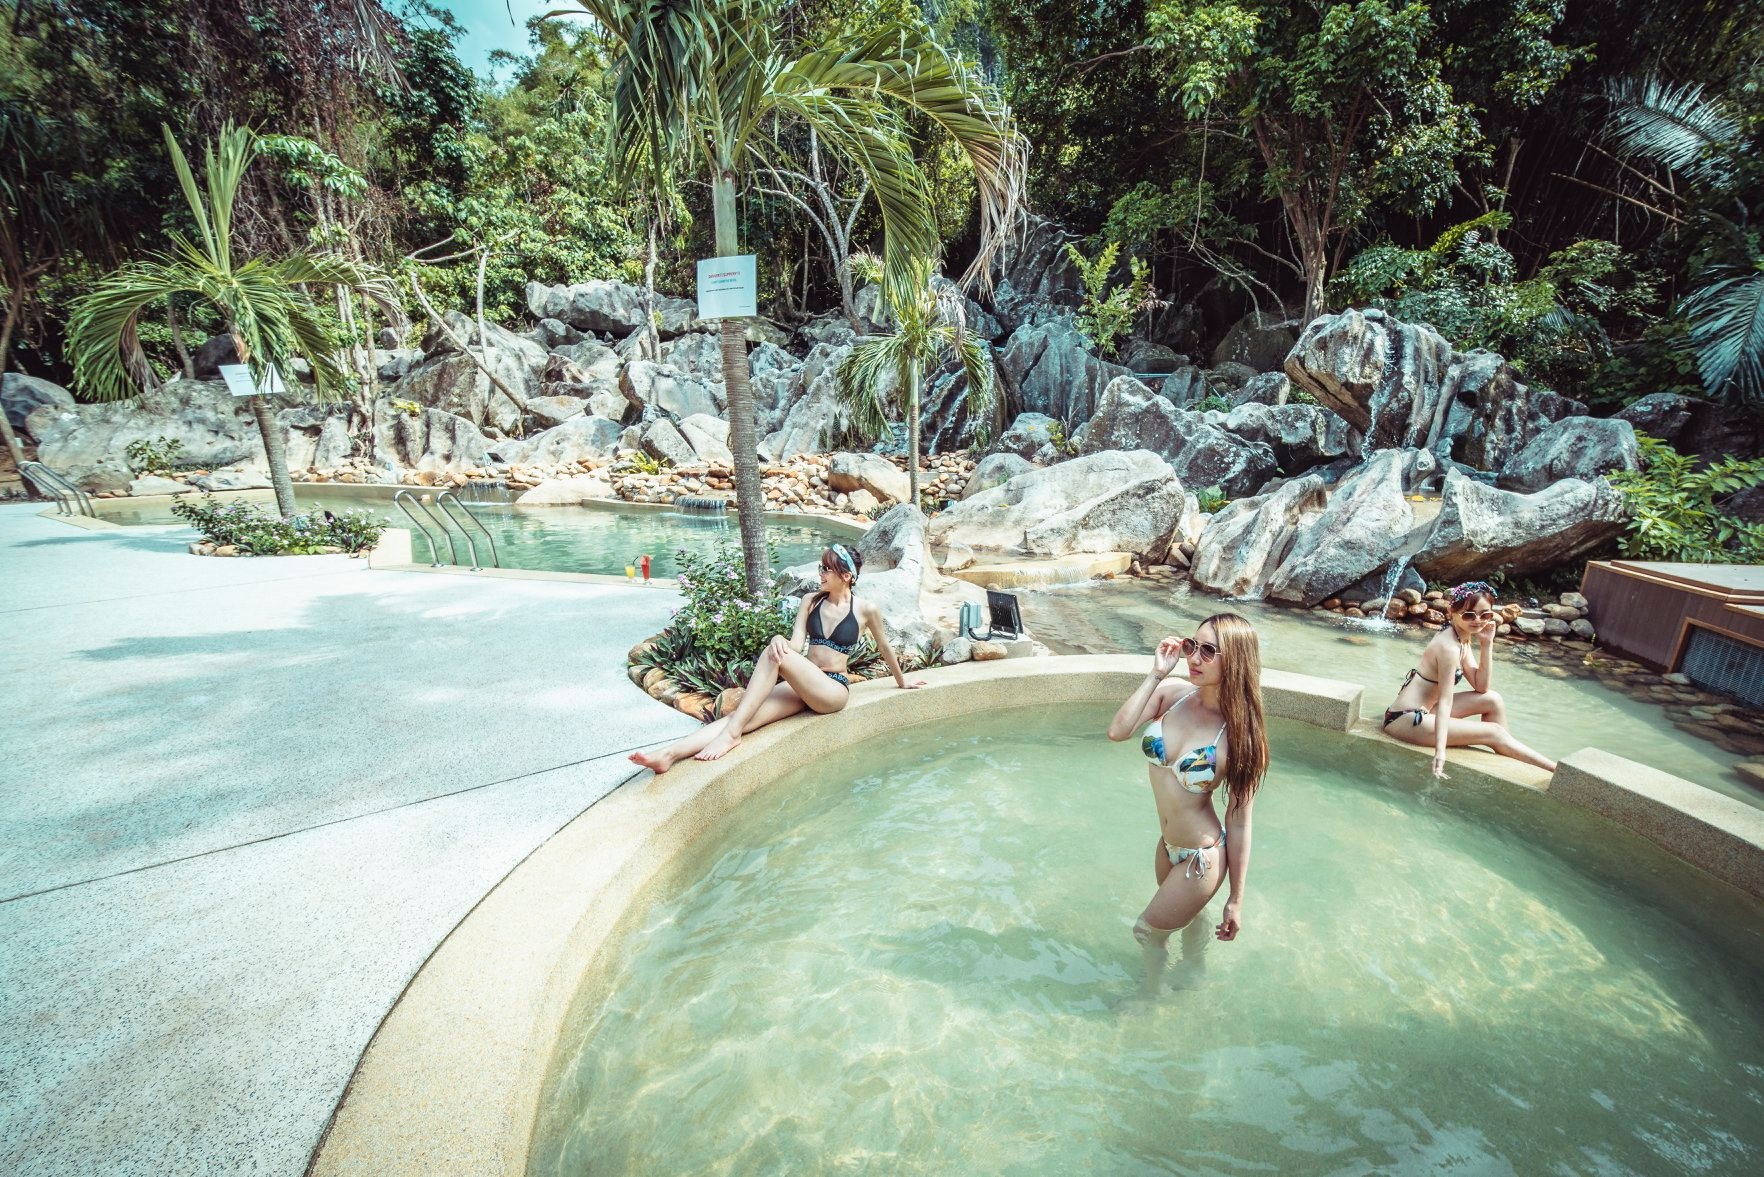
x=249 y=530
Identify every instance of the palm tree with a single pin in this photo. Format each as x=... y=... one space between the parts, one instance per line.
x=707 y=83
x=1695 y=135
x=930 y=328
x=265 y=304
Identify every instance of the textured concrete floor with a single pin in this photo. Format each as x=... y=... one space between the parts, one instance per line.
x=241 y=801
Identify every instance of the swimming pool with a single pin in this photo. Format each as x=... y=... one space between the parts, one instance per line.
x=915 y=965
x=591 y=538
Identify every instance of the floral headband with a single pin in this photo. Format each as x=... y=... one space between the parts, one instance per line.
x=844 y=555
x=1469 y=591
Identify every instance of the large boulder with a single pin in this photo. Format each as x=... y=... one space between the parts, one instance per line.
x=20 y=395
x=1131 y=416
x=775 y=377
x=1105 y=502
x=947 y=420
x=317 y=436
x=1184 y=386
x=1696 y=426
x=555 y=410
x=573 y=491
x=579 y=439
x=1259 y=340
x=662 y=440
x=1036 y=267
x=648 y=385
x=1366 y=522
x=428 y=440
x=1270 y=388
x=1483 y=531
x=86 y=443
x=1046 y=368
x=1144 y=356
x=709 y=438
x=1404 y=385
x=599 y=305
x=1301 y=436
x=1246 y=541
x=454 y=383
x=871 y=472
x=699 y=355
x=594 y=359
x=1027 y=434
x=994 y=470
x=1578 y=447
x=815 y=421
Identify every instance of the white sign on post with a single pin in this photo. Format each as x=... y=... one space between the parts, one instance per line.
x=239 y=382
x=726 y=288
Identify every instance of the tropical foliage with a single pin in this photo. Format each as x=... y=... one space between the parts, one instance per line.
x=1107 y=314
x=1675 y=510
x=256 y=532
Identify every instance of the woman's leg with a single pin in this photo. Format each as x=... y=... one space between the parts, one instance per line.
x=809 y=683
x=1179 y=900
x=1464 y=732
x=782 y=701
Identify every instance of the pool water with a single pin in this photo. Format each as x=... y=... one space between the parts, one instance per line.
x=551 y=539
x=1554 y=715
x=919 y=965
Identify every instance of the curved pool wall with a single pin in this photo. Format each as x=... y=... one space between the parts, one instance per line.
x=454 y=1078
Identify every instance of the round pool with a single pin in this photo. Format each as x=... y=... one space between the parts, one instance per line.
x=917 y=960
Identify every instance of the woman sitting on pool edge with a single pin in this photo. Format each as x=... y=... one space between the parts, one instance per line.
x=811 y=662
x=1197 y=735
x=1475 y=716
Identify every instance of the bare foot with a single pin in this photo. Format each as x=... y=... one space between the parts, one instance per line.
x=719 y=747
x=656 y=762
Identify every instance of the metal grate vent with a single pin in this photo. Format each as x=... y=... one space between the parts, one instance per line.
x=1718 y=663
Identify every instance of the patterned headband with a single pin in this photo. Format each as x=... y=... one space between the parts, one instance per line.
x=1469 y=591
x=844 y=555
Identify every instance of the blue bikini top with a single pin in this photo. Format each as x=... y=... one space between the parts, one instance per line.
x=844 y=639
x=1195 y=771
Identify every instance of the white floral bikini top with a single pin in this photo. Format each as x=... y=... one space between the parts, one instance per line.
x=1195 y=770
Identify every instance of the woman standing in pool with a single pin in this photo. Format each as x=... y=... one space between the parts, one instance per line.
x=810 y=663
x=1475 y=716
x=1198 y=734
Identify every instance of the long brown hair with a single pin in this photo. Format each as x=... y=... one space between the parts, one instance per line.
x=1240 y=700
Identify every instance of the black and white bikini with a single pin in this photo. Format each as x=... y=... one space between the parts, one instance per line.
x=845 y=635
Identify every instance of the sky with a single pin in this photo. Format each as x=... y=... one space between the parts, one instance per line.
x=488 y=26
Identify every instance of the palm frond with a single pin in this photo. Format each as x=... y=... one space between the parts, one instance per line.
x=863 y=381
x=902 y=62
x=1726 y=318
x=1675 y=126
x=102 y=341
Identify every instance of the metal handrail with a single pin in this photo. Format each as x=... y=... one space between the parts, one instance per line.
x=441 y=505
x=398 y=500
x=59 y=488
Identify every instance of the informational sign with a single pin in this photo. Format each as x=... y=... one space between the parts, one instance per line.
x=239 y=382
x=726 y=288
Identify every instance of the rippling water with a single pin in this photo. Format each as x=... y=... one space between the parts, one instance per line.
x=916 y=963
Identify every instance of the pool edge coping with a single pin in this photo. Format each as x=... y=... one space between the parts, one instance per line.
x=454 y=1077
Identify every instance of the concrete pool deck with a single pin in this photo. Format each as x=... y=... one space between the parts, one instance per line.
x=243 y=801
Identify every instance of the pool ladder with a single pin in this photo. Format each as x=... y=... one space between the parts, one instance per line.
x=69 y=498
x=410 y=505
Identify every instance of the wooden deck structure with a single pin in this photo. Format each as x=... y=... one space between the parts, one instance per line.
x=1706 y=620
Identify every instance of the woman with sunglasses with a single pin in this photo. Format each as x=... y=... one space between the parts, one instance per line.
x=805 y=670
x=1198 y=734
x=1475 y=716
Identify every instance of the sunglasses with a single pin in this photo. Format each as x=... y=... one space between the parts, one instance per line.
x=1207 y=650
x=1481 y=615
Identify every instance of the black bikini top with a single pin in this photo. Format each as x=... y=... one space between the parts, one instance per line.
x=845 y=634
x=1457 y=677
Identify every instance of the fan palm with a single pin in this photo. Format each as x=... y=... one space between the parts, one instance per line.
x=930 y=328
x=1675 y=126
x=707 y=82
x=264 y=303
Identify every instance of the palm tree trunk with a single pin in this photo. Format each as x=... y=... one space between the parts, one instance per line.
x=12 y=446
x=276 y=452
x=912 y=409
x=743 y=445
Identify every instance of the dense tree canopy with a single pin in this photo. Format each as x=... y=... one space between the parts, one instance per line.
x=1570 y=181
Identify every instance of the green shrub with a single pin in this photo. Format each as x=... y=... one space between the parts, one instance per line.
x=1673 y=510
x=720 y=622
x=1213 y=402
x=1212 y=499
x=260 y=532
x=159 y=456
x=1108 y=314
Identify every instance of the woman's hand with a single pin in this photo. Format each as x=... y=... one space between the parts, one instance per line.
x=1439 y=768
x=1487 y=633
x=1232 y=924
x=910 y=685
x=1166 y=656
x=779 y=647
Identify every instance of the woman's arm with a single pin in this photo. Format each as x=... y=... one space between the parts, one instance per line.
x=799 y=631
x=1141 y=706
x=1480 y=671
x=1442 y=710
x=1237 y=856
x=872 y=616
